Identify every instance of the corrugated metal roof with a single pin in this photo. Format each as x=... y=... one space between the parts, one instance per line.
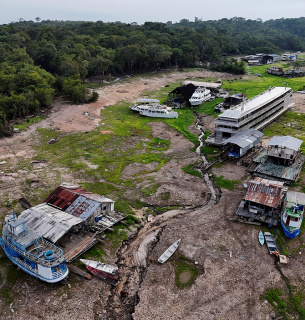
x=76 y=201
x=48 y=221
x=286 y=141
x=82 y=207
x=266 y=192
x=244 y=138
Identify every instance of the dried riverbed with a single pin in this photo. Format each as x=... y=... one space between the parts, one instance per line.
x=233 y=270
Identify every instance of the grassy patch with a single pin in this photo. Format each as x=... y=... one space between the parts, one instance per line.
x=286 y=305
x=151 y=189
x=28 y=122
x=117 y=236
x=274 y=298
x=190 y=169
x=185 y=272
x=158 y=144
x=208 y=107
x=224 y=183
x=95 y=253
x=165 y=196
x=209 y=150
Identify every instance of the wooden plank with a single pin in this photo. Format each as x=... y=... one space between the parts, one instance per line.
x=79 y=272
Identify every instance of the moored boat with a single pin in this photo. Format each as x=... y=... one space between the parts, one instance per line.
x=271 y=243
x=103 y=275
x=292 y=214
x=261 y=238
x=158 y=111
x=31 y=252
x=143 y=104
x=199 y=96
x=108 y=268
x=169 y=252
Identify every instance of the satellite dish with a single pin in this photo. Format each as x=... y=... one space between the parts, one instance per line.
x=245 y=185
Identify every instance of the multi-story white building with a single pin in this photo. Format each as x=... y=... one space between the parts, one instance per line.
x=255 y=113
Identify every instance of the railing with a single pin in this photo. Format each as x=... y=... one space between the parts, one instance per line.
x=33 y=258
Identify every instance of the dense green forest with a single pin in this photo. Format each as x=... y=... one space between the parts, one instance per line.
x=41 y=59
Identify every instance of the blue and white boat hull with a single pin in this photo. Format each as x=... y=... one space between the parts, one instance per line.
x=40 y=272
x=289 y=234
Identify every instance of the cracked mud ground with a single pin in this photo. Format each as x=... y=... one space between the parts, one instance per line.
x=235 y=269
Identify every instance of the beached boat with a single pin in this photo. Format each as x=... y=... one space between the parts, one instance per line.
x=261 y=238
x=270 y=243
x=158 y=111
x=143 y=104
x=169 y=252
x=292 y=214
x=103 y=275
x=31 y=252
x=108 y=268
x=199 y=96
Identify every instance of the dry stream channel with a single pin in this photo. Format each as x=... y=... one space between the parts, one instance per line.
x=133 y=255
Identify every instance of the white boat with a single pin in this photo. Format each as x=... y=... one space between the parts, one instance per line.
x=199 y=96
x=169 y=252
x=100 y=266
x=144 y=104
x=158 y=111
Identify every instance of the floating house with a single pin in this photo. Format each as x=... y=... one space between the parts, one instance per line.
x=243 y=141
x=66 y=209
x=262 y=201
x=254 y=113
x=282 y=160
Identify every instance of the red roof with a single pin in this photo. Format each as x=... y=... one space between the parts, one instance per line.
x=266 y=192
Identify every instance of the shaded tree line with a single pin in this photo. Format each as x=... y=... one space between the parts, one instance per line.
x=41 y=59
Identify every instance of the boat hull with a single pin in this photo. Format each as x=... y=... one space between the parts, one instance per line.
x=158 y=115
x=14 y=257
x=103 y=275
x=261 y=238
x=289 y=234
x=198 y=102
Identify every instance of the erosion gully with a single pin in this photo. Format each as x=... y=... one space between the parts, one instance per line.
x=133 y=254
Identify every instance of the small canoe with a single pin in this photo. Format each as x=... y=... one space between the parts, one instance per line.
x=108 y=268
x=261 y=238
x=169 y=252
x=270 y=243
x=103 y=275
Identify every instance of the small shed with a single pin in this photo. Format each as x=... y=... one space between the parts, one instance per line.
x=262 y=201
x=242 y=142
x=79 y=202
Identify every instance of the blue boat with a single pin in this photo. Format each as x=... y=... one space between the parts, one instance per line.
x=261 y=238
x=31 y=252
x=292 y=214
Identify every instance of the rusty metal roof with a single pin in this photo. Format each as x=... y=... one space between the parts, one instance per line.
x=75 y=200
x=266 y=192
